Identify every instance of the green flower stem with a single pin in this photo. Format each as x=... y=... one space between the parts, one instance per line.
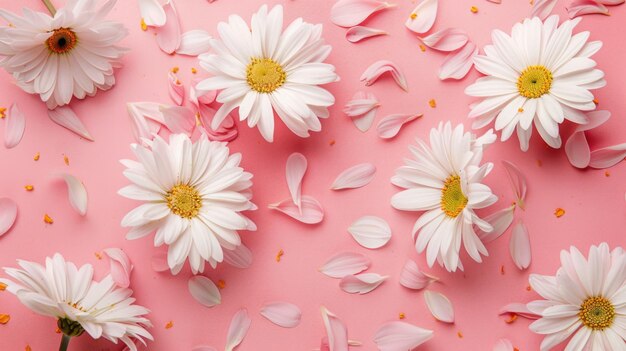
x=50 y=7
x=65 y=342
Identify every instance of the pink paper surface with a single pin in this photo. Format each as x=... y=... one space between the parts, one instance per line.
x=593 y=201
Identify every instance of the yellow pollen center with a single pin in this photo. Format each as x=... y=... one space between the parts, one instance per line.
x=597 y=313
x=184 y=201
x=453 y=201
x=62 y=41
x=265 y=75
x=534 y=82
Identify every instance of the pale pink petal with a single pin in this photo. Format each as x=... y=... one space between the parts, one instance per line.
x=120 y=267
x=611 y=2
x=336 y=331
x=390 y=126
x=358 y=33
x=178 y=119
x=8 y=214
x=458 y=64
x=371 y=232
x=15 y=124
x=238 y=329
x=542 y=8
x=66 y=118
x=204 y=291
x=495 y=1
x=168 y=36
x=77 y=193
x=362 y=109
x=355 y=177
x=585 y=7
x=194 y=43
x=519 y=309
x=519 y=246
x=152 y=12
x=159 y=262
x=283 y=314
x=448 y=39
x=595 y=119
x=176 y=89
x=203 y=348
x=378 y=68
x=146 y=119
x=518 y=182
x=412 y=277
x=439 y=306
x=240 y=257
x=503 y=345
x=608 y=156
x=199 y=96
x=423 y=17
x=500 y=221
x=295 y=170
x=344 y=264
x=324 y=346
x=577 y=150
x=361 y=283
x=401 y=336
x=311 y=211
x=227 y=131
x=349 y=13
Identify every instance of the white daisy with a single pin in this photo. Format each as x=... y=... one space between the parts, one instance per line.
x=444 y=180
x=262 y=69
x=542 y=73
x=586 y=301
x=193 y=193
x=70 y=54
x=80 y=304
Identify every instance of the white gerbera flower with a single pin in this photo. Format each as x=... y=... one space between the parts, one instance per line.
x=444 y=180
x=542 y=73
x=194 y=193
x=63 y=291
x=70 y=54
x=263 y=69
x=585 y=300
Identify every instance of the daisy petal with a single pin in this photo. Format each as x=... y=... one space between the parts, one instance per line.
x=458 y=64
x=585 y=7
x=518 y=181
x=370 y=232
x=355 y=177
x=194 y=43
x=77 y=193
x=178 y=119
x=336 y=331
x=577 y=150
x=395 y=336
x=283 y=314
x=412 y=277
x=152 y=12
x=519 y=309
x=594 y=120
x=500 y=221
x=448 y=39
x=146 y=119
x=345 y=263
x=8 y=214
x=519 y=246
x=311 y=211
x=423 y=17
x=378 y=68
x=176 y=89
x=238 y=329
x=358 y=33
x=362 y=109
x=295 y=170
x=439 y=306
x=361 y=283
x=204 y=291
x=66 y=118
x=240 y=257
x=14 y=130
x=350 y=13
x=542 y=8
x=390 y=126
x=168 y=36
x=120 y=267
x=503 y=345
x=608 y=156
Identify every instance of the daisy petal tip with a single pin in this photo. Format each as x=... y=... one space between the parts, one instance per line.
x=517 y=180
x=586 y=7
x=391 y=125
x=194 y=43
x=355 y=177
x=423 y=17
x=449 y=39
x=168 y=36
x=77 y=193
x=608 y=156
x=283 y=314
x=238 y=329
x=67 y=118
x=370 y=232
x=398 y=335
x=577 y=150
x=350 y=13
x=361 y=283
x=439 y=306
x=8 y=215
x=345 y=263
x=295 y=169
x=240 y=257
x=204 y=291
x=359 y=33
x=519 y=246
x=378 y=68
x=542 y=8
x=413 y=278
x=15 y=125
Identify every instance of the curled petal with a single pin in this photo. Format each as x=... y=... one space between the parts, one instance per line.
x=283 y=314
x=519 y=246
x=503 y=345
x=178 y=119
x=390 y=126
x=152 y=12
x=176 y=89
x=15 y=125
x=345 y=263
x=519 y=309
x=448 y=39
x=194 y=43
x=120 y=267
x=362 y=109
x=295 y=170
x=238 y=329
x=77 y=193
x=350 y=13
x=336 y=331
x=159 y=262
x=395 y=336
x=358 y=33
x=355 y=177
x=458 y=64
x=439 y=306
x=542 y=8
x=423 y=17
x=518 y=181
x=378 y=68
x=500 y=221
x=412 y=277
x=8 y=214
x=168 y=36
x=227 y=130
x=577 y=150
x=586 y=7
x=146 y=119
x=370 y=232
x=311 y=211
x=240 y=257
x=608 y=156
x=66 y=118
x=204 y=291
x=361 y=283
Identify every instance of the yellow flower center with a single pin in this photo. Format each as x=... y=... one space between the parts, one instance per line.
x=62 y=41
x=597 y=313
x=265 y=75
x=534 y=82
x=453 y=201
x=184 y=200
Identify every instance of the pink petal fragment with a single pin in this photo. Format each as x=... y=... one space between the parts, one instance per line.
x=159 y=262
x=390 y=126
x=240 y=257
x=595 y=119
x=238 y=329
x=412 y=277
x=66 y=118
x=295 y=170
x=283 y=314
x=423 y=17
x=8 y=214
x=361 y=283
x=345 y=263
x=311 y=211
x=146 y=119
x=503 y=345
x=370 y=232
x=194 y=43
x=458 y=64
x=178 y=119
x=176 y=89
x=168 y=36
x=396 y=336
x=204 y=291
x=495 y=1
x=500 y=221
x=355 y=177
x=77 y=193
x=448 y=39
x=577 y=150
x=227 y=131
x=519 y=246
x=519 y=309
x=15 y=125
x=203 y=348
x=611 y=2
x=608 y=156
x=378 y=68
x=358 y=33
x=336 y=331
x=543 y=8
x=586 y=7
x=152 y=12
x=120 y=267
x=439 y=306
x=362 y=109
x=518 y=182
x=350 y=13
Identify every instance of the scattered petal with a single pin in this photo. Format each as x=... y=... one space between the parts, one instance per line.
x=204 y=291
x=355 y=177
x=120 y=267
x=176 y=89
x=423 y=17
x=518 y=182
x=283 y=314
x=159 y=262
x=295 y=170
x=336 y=331
x=378 y=68
x=611 y=2
x=178 y=119
x=194 y=43
x=586 y=7
x=238 y=329
x=361 y=283
x=146 y=119
x=240 y=257
x=8 y=214
x=396 y=336
x=390 y=126
x=577 y=150
x=458 y=64
x=503 y=345
x=500 y=221
x=66 y=118
x=448 y=39
x=519 y=246
x=14 y=130
x=350 y=13
x=608 y=156
x=439 y=306
x=203 y=348
x=412 y=277
x=345 y=263
x=168 y=36
x=519 y=309
x=594 y=120
x=542 y=8
x=77 y=193
x=311 y=211
x=370 y=232
x=358 y=33
x=152 y=12
x=362 y=109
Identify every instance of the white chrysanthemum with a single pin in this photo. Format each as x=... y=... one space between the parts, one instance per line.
x=586 y=301
x=542 y=73
x=63 y=291
x=262 y=69
x=444 y=180
x=70 y=54
x=194 y=193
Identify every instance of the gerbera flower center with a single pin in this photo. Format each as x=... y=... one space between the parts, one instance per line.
x=70 y=327
x=265 y=75
x=184 y=200
x=597 y=313
x=62 y=41
x=534 y=82
x=453 y=201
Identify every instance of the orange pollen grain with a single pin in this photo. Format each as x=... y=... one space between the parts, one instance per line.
x=596 y=101
x=3 y=287
x=27 y=348
x=279 y=255
x=432 y=103
x=29 y=187
x=57 y=330
x=194 y=70
x=47 y=219
x=332 y=142
x=98 y=255
x=4 y=318
x=502 y=269
x=413 y=15
x=512 y=318
x=169 y=325
x=66 y=160
x=559 y=212
x=401 y=315
x=474 y=9
x=539 y=163
x=3 y=112
x=144 y=26
x=607 y=173
x=422 y=47
x=459 y=334
x=36 y=157
x=529 y=288
x=221 y=284
x=175 y=70
x=520 y=110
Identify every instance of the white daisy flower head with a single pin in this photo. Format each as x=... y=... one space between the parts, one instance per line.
x=194 y=193
x=72 y=54
x=61 y=290
x=264 y=70
x=541 y=74
x=444 y=180
x=586 y=301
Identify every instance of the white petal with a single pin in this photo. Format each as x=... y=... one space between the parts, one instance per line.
x=519 y=246
x=518 y=181
x=423 y=17
x=204 y=291
x=8 y=214
x=336 y=331
x=238 y=329
x=439 y=306
x=152 y=12
x=355 y=177
x=77 y=193
x=14 y=130
x=194 y=43
x=503 y=345
x=311 y=211
x=295 y=170
x=349 y=13
x=66 y=118
x=345 y=263
x=358 y=33
x=458 y=64
x=370 y=232
x=500 y=221
x=400 y=336
x=168 y=35
x=390 y=126
x=120 y=267
x=378 y=68
x=608 y=156
x=412 y=277
x=448 y=39
x=361 y=283
x=283 y=314
x=240 y=257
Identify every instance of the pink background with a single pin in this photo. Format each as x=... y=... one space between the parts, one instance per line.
x=593 y=201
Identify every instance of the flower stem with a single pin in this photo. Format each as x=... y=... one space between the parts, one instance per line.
x=50 y=7
x=64 y=342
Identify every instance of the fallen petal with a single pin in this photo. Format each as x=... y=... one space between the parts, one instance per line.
x=439 y=305
x=66 y=118
x=519 y=309
x=152 y=12
x=178 y=119
x=176 y=89
x=355 y=177
x=203 y=348
x=448 y=39
x=458 y=64
x=238 y=329
x=577 y=150
x=362 y=109
x=240 y=257
x=120 y=267
x=295 y=170
x=370 y=232
x=146 y=119
x=283 y=314
x=542 y=8
x=423 y=17
x=595 y=119
x=390 y=126
x=8 y=214
x=361 y=283
x=15 y=124
x=168 y=36
x=396 y=336
x=204 y=291
x=345 y=263
x=349 y=13
x=518 y=182
x=77 y=193
x=336 y=331
x=311 y=211
x=412 y=277
x=608 y=156
x=358 y=33
x=611 y=2
x=378 y=68
x=159 y=262
x=585 y=7
x=194 y=43
x=500 y=221
x=519 y=246
x=503 y=345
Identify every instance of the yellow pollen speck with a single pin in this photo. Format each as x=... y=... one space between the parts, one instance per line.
x=265 y=75
x=453 y=200
x=66 y=160
x=28 y=348
x=512 y=318
x=3 y=287
x=279 y=255
x=175 y=70
x=169 y=325
x=607 y=173
x=29 y=187
x=534 y=82
x=432 y=103
x=459 y=334
x=221 y=284
x=184 y=201
x=520 y=110
x=597 y=313
x=98 y=255
x=36 y=157
x=4 y=318
x=144 y=26
x=422 y=47
x=401 y=315
x=194 y=70
x=559 y=212
x=413 y=16
x=47 y=219
x=474 y=9
x=596 y=101
x=57 y=330
x=3 y=112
